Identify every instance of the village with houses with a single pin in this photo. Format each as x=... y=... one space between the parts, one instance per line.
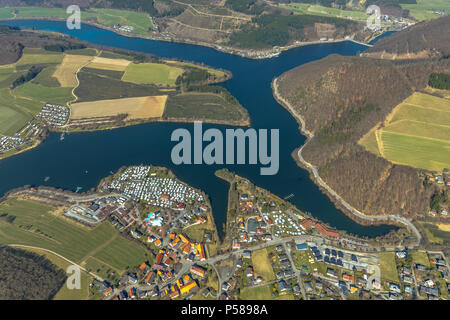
x=270 y=249
x=51 y=116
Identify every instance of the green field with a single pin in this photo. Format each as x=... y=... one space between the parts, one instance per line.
x=108 y=17
x=41 y=94
x=420 y=258
x=11 y=117
x=152 y=73
x=122 y=254
x=203 y=106
x=20 y=105
x=35 y=225
x=424 y=9
x=416 y=133
x=318 y=10
x=31 y=58
x=388 y=267
x=257 y=293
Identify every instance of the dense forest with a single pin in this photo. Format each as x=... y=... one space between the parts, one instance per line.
x=28 y=276
x=440 y=81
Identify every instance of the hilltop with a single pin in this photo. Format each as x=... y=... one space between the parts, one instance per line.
x=341 y=100
x=423 y=40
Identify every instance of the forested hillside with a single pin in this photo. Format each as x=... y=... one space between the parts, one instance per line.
x=28 y=276
x=341 y=99
x=423 y=40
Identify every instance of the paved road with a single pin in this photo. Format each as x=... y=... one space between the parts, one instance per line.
x=313 y=169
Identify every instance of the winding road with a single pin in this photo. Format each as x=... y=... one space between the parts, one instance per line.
x=318 y=179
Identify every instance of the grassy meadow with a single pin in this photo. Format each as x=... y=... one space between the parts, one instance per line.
x=262 y=265
x=424 y=9
x=388 y=266
x=39 y=225
x=318 y=10
x=416 y=133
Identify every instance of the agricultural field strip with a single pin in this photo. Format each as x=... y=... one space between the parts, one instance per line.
x=43 y=219
x=413 y=136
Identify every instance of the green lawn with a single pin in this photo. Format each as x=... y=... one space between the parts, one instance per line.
x=420 y=258
x=36 y=225
x=11 y=117
x=262 y=265
x=388 y=266
x=257 y=293
x=152 y=73
x=123 y=254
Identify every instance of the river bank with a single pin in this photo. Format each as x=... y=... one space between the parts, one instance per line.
x=242 y=52
x=67 y=162
x=346 y=208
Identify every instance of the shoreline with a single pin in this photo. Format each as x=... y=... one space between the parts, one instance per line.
x=350 y=211
x=180 y=120
x=270 y=53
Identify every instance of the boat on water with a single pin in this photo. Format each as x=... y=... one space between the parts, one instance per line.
x=61 y=138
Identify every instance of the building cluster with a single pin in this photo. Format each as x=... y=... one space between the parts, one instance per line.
x=308 y=224
x=54 y=115
x=8 y=143
x=136 y=183
x=428 y=278
x=161 y=277
x=123 y=28
x=119 y=209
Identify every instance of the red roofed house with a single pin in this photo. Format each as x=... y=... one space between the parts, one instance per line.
x=326 y=232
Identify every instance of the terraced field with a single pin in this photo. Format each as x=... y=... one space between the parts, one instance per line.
x=416 y=133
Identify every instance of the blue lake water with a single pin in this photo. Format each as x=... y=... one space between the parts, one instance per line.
x=66 y=162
